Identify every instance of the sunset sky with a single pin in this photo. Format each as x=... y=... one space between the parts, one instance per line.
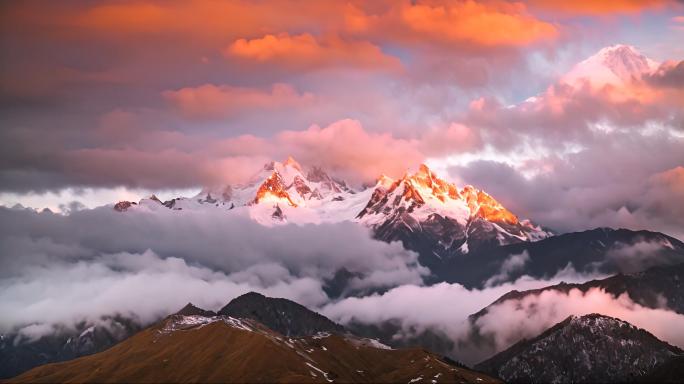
x=104 y=101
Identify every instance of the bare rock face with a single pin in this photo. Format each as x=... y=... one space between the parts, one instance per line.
x=278 y=213
x=123 y=206
x=301 y=187
x=191 y=310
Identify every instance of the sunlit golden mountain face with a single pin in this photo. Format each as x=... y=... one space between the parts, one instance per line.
x=272 y=190
x=479 y=202
x=375 y=161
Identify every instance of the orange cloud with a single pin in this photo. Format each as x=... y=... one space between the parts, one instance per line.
x=673 y=178
x=159 y=169
x=490 y=24
x=305 y=50
x=202 y=17
x=287 y=34
x=593 y=7
x=493 y=22
x=216 y=101
x=133 y=16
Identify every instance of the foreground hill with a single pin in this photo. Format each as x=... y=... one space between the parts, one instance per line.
x=198 y=348
x=587 y=349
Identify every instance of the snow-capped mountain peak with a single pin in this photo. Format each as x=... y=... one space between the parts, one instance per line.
x=421 y=208
x=614 y=65
x=423 y=189
x=420 y=204
x=276 y=183
x=288 y=184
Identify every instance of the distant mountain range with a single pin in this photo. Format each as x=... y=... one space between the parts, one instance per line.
x=192 y=346
x=18 y=353
x=656 y=287
x=602 y=250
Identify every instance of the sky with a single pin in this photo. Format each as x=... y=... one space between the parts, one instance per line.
x=569 y=113
x=115 y=100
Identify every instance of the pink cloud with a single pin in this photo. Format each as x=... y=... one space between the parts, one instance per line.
x=158 y=169
x=574 y=108
x=346 y=147
x=454 y=138
x=159 y=159
x=219 y=101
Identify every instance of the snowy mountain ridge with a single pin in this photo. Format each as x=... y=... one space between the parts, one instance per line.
x=285 y=193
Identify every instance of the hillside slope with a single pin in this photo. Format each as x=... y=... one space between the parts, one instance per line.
x=226 y=349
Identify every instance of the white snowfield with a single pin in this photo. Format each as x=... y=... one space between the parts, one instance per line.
x=181 y=323
x=195 y=322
